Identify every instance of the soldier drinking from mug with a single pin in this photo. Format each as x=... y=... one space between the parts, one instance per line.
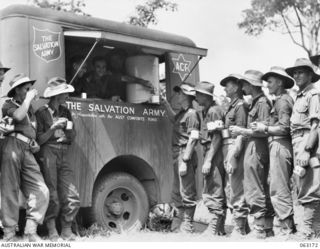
x=55 y=134
x=19 y=169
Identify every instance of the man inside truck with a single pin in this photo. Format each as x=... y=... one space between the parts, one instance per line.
x=95 y=84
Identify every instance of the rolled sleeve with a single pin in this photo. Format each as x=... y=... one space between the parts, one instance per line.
x=314 y=107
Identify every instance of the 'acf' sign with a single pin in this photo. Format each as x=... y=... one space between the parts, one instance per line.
x=181 y=66
x=46 y=44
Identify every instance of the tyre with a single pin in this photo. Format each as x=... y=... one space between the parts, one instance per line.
x=120 y=202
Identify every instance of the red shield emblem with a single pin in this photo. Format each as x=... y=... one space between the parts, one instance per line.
x=46 y=44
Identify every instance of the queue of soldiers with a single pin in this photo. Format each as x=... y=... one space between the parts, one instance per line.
x=250 y=152
x=34 y=160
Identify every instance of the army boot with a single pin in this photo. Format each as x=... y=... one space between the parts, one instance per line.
x=52 y=231
x=221 y=223
x=240 y=227
x=214 y=225
x=31 y=231
x=9 y=234
x=66 y=232
x=287 y=227
x=311 y=220
x=186 y=225
x=268 y=226
x=259 y=228
x=177 y=219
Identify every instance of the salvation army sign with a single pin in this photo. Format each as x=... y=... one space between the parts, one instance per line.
x=46 y=44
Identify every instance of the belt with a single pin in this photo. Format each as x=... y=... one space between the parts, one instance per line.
x=272 y=138
x=299 y=133
x=227 y=141
x=21 y=137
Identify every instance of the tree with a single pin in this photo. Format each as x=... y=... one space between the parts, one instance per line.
x=300 y=19
x=74 y=6
x=146 y=13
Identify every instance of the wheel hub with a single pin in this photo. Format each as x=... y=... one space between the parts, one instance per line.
x=116 y=208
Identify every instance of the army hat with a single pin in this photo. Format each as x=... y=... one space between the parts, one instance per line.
x=306 y=64
x=230 y=77
x=4 y=68
x=186 y=89
x=253 y=77
x=56 y=86
x=18 y=80
x=280 y=73
x=205 y=87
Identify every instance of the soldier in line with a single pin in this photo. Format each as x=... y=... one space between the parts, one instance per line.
x=55 y=134
x=19 y=169
x=280 y=147
x=214 y=174
x=256 y=157
x=304 y=127
x=186 y=125
x=236 y=114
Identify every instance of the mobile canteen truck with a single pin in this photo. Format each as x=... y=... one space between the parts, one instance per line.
x=122 y=153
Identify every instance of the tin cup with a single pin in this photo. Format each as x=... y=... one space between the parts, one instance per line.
x=69 y=125
x=225 y=133
x=155 y=99
x=83 y=95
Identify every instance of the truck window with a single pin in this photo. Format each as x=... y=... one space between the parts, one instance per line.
x=116 y=72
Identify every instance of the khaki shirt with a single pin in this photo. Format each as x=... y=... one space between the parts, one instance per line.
x=306 y=108
x=214 y=113
x=236 y=114
x=259 y=110
x=281 y=112
x=185 y=121
x=45 y=116
x=28 y=125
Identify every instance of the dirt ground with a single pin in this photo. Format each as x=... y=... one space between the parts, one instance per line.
x=151 y=236
x=95 y=234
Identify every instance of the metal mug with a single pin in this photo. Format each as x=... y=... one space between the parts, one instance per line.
x=225 y=133
x=83 y=95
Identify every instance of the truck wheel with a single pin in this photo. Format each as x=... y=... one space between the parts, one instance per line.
x=120 y=202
